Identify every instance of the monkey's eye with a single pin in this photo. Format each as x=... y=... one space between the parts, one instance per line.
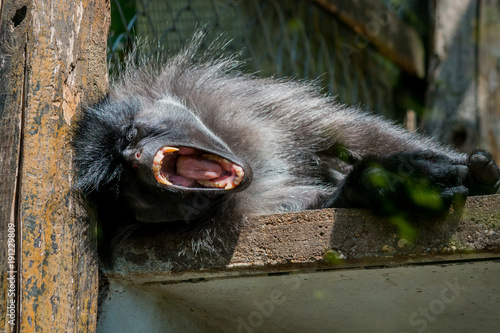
x=132 y=134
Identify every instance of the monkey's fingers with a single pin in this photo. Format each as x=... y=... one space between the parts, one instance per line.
x=483 y=176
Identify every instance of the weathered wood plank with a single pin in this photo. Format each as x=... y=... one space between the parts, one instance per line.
x=13 y=27
x=64 y=65
x=66 y=57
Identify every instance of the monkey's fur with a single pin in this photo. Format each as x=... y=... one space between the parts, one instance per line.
x=298 y=148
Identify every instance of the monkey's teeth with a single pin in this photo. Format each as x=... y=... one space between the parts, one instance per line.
x=239 y=175
x=169 y=149
x=208 y=183
x=157 y=160
x=236 y=172
x=163 y=180
x=215 y=158
x=157 y=163
x=228 y=166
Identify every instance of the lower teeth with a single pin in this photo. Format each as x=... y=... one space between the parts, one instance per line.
x=207 y=183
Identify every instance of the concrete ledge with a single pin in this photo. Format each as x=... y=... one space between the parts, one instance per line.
x=316 y=271
x=319 y=240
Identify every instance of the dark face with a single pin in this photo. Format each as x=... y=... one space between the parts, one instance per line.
x=178 y=168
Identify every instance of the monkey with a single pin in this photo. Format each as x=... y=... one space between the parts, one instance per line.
x=197 y=143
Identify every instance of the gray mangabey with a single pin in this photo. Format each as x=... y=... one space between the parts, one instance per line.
x=198 y=141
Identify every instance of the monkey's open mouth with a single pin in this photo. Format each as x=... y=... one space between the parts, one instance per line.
x=194 y=168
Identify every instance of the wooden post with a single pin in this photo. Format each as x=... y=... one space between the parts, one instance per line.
x=489 y=76
x=12 y=38
x=52 y=60
x=452 y=115
x=464 y=75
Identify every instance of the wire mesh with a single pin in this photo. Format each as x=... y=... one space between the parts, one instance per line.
x=295 y=39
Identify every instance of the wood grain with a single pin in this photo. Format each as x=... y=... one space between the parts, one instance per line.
x=55 y=63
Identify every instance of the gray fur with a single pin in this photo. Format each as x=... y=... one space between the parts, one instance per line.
x=278 y=126
x=285 y=130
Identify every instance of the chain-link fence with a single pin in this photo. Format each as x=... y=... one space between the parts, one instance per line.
x=296 y=39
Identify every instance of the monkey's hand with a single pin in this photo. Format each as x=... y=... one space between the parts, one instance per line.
x=483 y=175
x=417 y=183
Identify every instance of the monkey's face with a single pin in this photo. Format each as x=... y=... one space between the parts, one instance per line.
x=177 y=167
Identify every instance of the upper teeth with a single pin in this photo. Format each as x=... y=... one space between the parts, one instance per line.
x=157 y=162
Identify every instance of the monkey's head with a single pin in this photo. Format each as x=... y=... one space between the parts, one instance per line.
x=159 y=159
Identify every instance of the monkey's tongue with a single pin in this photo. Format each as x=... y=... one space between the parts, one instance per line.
x=193 y=168
x=197 y=167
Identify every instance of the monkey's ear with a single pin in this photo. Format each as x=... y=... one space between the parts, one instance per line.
x=99 y=137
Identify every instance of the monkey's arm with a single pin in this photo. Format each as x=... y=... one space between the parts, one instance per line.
x=364 y=135
x=416 y=183
x=397 y=171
